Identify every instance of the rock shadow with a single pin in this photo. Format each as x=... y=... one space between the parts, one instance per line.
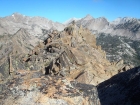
x=121 y=89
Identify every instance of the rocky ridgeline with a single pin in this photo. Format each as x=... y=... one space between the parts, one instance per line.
x=63 y=70
x=73 y=53
x=33 y=25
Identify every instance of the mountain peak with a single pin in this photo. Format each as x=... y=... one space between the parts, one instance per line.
x=88 y=17
x=17 y=14
x=71 y=19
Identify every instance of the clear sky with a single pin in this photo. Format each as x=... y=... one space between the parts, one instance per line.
x=62 y=10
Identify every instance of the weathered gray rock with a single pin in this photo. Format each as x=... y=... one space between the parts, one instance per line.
x=34 y=88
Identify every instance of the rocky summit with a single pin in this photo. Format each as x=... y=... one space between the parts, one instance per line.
x=64 y=69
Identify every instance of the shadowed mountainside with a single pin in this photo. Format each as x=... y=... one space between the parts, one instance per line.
x=121 y=89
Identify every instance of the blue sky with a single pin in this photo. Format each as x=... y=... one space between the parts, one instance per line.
x=62 y=10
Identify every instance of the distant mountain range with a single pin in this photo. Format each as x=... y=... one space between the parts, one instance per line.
x=34 y=25
x=128 y=27
x=121 y=40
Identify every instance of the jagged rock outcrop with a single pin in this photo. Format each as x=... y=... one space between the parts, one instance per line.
x=73 y=53
x=13 y=48
x=119 y=38
x=64 y=69
x=20 y=42
x=121 y=89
